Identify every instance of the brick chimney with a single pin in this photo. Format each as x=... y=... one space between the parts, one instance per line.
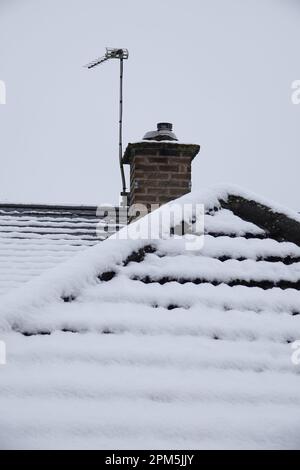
x=160 y=167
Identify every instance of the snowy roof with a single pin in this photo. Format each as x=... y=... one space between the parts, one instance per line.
x=34 y=238
x=141 y=343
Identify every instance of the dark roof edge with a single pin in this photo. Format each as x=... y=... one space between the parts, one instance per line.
x=277 y=224
x=15 y=205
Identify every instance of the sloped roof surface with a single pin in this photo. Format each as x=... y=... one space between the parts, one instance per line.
x=143 y=343
x=34 y=238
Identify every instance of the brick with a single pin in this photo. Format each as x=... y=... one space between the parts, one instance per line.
x=181 y=159
x=145 y=151
x=157 y=160
x=169 y=184
x=176 y=179
x=147 y=183
x=168 y=168
x=175 y=192
x=182 y=176
x=137 y=159
x=159 y=176
x=139 y=174
x=153 y=183
x=148 y=167
x=184 y=168
x=163 y=199
x=157 y=191
x=178 y=184
x=140 y=190
x=146 y=161
x=170 y=152
x=147 y=198
x=154 y=191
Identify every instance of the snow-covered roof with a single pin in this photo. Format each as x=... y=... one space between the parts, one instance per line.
x=141 y=343
x=34 y=238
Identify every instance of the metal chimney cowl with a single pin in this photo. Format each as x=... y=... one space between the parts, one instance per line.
x=163 y=132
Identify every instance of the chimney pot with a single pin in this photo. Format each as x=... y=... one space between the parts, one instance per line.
x=161 y=126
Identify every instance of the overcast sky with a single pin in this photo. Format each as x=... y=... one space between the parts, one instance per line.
x=219 y=70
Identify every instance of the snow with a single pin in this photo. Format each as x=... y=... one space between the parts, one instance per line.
x=91 y=391
x=133 y=365
x=64 y=236
x=82 y=269
x=143 y=319
x=224 y=221
x=171 y=142
x=31 y=244
x=210 y=269
x=234 y=247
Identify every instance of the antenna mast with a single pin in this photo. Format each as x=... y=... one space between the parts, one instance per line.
x=120 y=54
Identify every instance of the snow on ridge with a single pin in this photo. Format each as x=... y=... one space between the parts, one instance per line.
x=82 y=270
x=223 y=191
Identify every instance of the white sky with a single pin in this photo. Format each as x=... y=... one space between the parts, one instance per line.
x=219 y=70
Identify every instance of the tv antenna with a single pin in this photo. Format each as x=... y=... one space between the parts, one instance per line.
x=121 y=54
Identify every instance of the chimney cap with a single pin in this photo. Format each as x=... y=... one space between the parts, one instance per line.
x=163 y=132
x=164 y=126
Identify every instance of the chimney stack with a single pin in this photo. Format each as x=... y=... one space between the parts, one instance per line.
x=160 y=167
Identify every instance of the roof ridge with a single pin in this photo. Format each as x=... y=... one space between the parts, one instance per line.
x=84 y=268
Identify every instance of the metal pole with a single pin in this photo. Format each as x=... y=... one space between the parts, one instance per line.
x=120 y=128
